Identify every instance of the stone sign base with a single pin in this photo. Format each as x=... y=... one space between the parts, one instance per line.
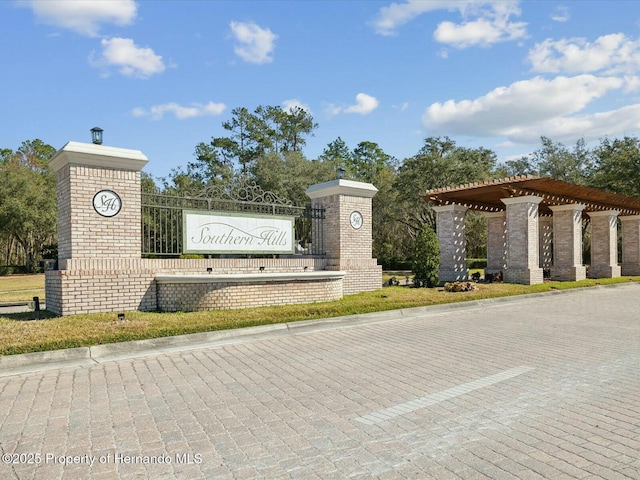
x=108 y=285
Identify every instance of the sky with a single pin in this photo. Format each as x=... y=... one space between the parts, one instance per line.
x=160 y=76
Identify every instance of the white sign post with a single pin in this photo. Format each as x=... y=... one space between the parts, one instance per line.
x=219 y=232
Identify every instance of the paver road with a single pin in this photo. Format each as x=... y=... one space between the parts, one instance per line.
x=544 y=387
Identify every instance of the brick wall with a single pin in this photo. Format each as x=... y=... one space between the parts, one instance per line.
x=112 y=285
x=630 y=245
x=228 y=295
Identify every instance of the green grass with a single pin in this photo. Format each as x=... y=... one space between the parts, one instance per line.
x=17 y=288
x=86 y=330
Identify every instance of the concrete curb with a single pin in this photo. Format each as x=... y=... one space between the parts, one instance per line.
x=82 y=356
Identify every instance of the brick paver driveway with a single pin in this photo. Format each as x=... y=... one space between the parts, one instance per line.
x=545 y=387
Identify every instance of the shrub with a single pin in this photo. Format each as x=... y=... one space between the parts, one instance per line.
x=426 y=259
x=475 y=263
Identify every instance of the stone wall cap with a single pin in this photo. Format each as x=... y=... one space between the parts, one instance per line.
x=341 y=187
x=91 y=155
x=604 y=213
x=569 y=206
x=251 y=277
x=521 y=199
x=454 y=207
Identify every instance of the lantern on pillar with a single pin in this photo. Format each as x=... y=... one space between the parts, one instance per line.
x=96 y=135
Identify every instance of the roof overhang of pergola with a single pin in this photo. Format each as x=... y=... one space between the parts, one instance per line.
x=487 y=196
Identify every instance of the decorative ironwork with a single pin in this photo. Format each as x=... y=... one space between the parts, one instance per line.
x=242 y=189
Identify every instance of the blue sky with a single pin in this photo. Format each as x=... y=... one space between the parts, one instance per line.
x=161 y=76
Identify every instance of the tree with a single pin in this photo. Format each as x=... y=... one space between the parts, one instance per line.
x=616 y=166
x=553 y=160
x=439 y=163
x=270 y=129
x=426 y=259
x=367 y=160
x=27 y=201
x=294 y=125
x=244 y=144
x=336 y=154
x=289 y=175
x=556 y=161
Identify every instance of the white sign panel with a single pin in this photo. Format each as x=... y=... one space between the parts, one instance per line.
x=216 y=232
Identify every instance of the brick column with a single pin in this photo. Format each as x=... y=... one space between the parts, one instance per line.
x=630 y=245
x=567 y=243
x=99 y=232
x=347 y=232
x=84 y=173
x=604 y=244
x=545 y=242
x=496 y=241
x=522 y=240
x=450 y=230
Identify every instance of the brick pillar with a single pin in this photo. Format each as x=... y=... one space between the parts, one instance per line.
x=347 y=232
x=567 y=243
x=523 y=265
x=99 y=232
x=630 y=245
x=496 y=241
x=93 y=181
x=545 y=242
x=604 y=244
x=450 y=230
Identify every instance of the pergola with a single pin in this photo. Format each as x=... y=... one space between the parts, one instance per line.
x=535 y=223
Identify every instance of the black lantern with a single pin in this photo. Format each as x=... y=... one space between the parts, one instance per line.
x=96 y=135
x=341 y=172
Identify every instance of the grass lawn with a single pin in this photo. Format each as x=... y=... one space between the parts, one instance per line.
x=18 y=336
x=16 y=288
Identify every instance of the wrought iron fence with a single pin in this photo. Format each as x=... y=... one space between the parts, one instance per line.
x=162 y=219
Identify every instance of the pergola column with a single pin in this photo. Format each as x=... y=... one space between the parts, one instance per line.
x=496 y=241
x=604 y=244
x=630 y=245
x=545 y=241
x=522 y=240
x=567 y=243
x=450 y=230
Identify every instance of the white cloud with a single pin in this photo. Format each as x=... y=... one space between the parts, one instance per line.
x=612 y=53
x=527 y=109
x=254 y=44
x=491 y=26
x=397 y=14
x=293 y=103
x=130 y=59
x=82 y=16
x=588 y=126
x=365 y=104
x=484 y=22
x=156 y=112
x=560 y=14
